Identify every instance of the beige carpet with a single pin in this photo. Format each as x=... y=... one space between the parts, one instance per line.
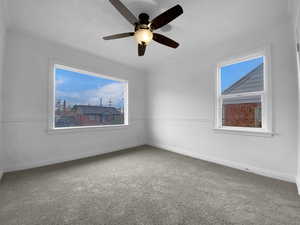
x=145 y=186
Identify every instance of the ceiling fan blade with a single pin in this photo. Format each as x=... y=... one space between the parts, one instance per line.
x=124 y=11
x=165 y=40
x=166 y=17
x=117 y=36
x=142 y=49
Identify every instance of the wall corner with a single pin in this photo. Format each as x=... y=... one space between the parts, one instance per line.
x=1 y=175
x=298 y=183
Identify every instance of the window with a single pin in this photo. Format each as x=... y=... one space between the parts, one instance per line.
x=242 y=98
x=85 y=99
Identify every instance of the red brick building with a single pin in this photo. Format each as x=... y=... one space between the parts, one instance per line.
x=244 y=111
x=87 y=115
x=242 y=115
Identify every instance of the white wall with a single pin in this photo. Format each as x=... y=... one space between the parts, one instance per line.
x=181 y=106
x=26 y=140
x=295 y=7
x=2 y=44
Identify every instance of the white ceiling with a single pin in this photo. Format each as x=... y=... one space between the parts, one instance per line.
x=82 y=23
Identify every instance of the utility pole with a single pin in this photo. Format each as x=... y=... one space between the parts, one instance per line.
x=101 y=103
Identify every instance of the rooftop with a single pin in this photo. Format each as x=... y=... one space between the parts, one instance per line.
x=89 y=109
x=252 y=82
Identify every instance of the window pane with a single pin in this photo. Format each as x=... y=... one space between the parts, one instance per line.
x=242 y=112
x=247 y=76
x=86 y=100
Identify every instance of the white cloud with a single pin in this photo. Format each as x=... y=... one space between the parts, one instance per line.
x=59 y=81
x=62 y=94
x=113 y=92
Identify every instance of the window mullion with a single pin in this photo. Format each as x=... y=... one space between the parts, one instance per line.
x=245 y=94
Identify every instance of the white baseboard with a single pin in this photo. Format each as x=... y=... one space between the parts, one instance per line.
x=298 y=184
x=247 y=168
x=65 y=159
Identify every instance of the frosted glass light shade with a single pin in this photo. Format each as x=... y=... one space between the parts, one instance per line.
x=143 y=35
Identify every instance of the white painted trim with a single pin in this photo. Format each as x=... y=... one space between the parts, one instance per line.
x=242 y=131
x=65 y=159
x=54 y=64
x=1 y=175
x=266 y=95
x=85 y=72
x=86 y=129
x=298 y=184
x=297 y=40
x=235 y=165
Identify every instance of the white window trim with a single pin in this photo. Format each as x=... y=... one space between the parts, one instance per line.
x=266 y=96
x=54 y=64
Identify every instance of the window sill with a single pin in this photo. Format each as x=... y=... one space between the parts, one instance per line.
x=86 y=129
x=247 y=132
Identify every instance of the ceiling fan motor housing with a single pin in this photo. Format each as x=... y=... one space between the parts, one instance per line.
x=144 y=18
x=142 y=26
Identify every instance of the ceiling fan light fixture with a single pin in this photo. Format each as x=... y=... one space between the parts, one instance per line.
x=143 y=36
x=144 y=28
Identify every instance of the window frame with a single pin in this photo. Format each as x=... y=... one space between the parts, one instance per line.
x=265 y=95
x=52 y=92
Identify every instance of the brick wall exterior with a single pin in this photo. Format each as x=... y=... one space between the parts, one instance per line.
x=242 y=115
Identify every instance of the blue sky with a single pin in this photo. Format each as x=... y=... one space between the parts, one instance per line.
x=77 y=88
x=232 y=73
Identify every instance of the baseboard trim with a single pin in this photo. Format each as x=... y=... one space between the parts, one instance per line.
x=235 y=165
x=65 y=159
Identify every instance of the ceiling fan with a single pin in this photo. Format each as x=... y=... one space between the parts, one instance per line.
x=143 y=28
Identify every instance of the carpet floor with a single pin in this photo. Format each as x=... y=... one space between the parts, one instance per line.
x=145 y=186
